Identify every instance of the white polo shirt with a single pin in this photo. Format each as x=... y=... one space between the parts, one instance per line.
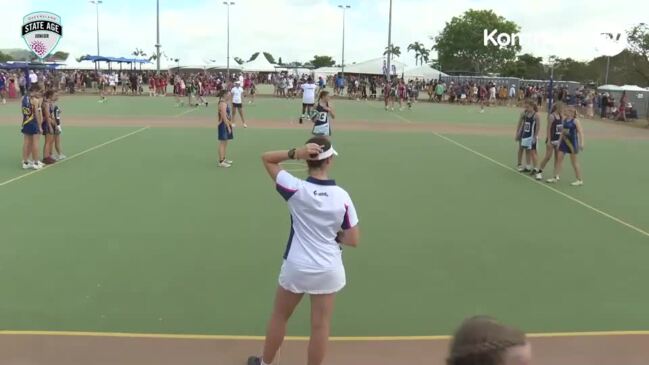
x=319 y=209
x=308 y=97
x=237 y=91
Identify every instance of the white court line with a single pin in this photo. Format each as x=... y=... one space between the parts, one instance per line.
x=570 y=197
x=185 y=112
x=74 y=156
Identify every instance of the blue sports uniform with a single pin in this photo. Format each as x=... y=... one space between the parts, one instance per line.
x=224 y=133
x=528 y=128
x=30 y=125
x=569 y=137
x=2 y=83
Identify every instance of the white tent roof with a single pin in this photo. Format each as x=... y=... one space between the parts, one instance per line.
x=633 y=88
x=373 y=67
x=259 y=64
x=609 y=88
x=423 y=72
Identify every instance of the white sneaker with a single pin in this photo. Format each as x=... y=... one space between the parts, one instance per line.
x=577 y=183
x=37 y=165
x=539 y=176
x=553 y=180
x=520 y=168
x=61 y=157
x=229 y=162
x=224 y=164
x=28 y=165
x=245 y=125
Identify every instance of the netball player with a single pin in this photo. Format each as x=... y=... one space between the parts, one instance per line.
x=572 y=142
x=225 y=127
x=555 y=126
x=55 y=113
x=103 y=84
x=527 y=132
x=401 y=93
x=323 y=116
x=387 y=96
x=308 y=98
x=237 y=103
x=482 y=340
x=48 y=126
x=253 y=91
x=323 y=218
x=32 y=119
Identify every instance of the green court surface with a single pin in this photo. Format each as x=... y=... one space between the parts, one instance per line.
x=145 y=234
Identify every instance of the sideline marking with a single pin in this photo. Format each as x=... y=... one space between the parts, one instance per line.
x=186 y=112
x=302 y=338
x=541 y=183
x=74 y=156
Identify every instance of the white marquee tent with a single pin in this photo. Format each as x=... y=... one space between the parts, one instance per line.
x=374 y=67
x=259 y=64
x=422 y=72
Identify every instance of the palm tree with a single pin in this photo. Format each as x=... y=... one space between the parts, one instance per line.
x=418 y=48
x=424 y=55
x=392 y=51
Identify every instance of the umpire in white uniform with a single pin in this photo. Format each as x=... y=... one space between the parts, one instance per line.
x=323 y=218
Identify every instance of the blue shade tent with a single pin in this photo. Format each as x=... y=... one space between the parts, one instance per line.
x=109 y=60
x=26 y=66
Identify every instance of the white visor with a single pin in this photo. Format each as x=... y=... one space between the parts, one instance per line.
x=326 y=154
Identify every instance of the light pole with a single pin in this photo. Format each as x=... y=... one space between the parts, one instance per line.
x=344 y=7
x=228 y=4
x=97 y=2
x=389 y=40
x=157 y=43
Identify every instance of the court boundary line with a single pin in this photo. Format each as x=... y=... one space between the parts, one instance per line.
x=19 y=177
x=540 y=183
x=300 y=338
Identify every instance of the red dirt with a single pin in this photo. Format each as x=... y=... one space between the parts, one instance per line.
x=71 y=350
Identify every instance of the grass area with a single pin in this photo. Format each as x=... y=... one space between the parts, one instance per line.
x=147 y=235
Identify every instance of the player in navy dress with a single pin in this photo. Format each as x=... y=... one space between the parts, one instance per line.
x=225 y=127
x=572 y=142
x=31 y=128
x=555 y=127
x=323 y=115
x=527 y=132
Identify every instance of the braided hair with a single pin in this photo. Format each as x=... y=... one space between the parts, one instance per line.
x=483 y=341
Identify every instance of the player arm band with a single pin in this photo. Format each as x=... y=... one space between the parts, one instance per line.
x=291 y=154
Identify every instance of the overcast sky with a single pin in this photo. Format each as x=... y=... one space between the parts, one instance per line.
x=195 y=30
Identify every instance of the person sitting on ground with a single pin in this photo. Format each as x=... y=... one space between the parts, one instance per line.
x=482 y=340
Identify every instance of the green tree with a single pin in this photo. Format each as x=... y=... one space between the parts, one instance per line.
x=279 y=62
x=392 y=51
x=322 y=61
x=60 y=55
x=253 y=56
x=5 y=57
x=238 y=60
x=460 y=45
x=417 y=48
x=424 y=55
x=526 y=66
x=638 y=39
x=269 y=57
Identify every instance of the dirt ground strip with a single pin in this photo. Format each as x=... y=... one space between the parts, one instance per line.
x=185 y=119
x=94 y=350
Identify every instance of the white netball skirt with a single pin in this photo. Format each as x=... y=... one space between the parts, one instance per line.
x=299 y=280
